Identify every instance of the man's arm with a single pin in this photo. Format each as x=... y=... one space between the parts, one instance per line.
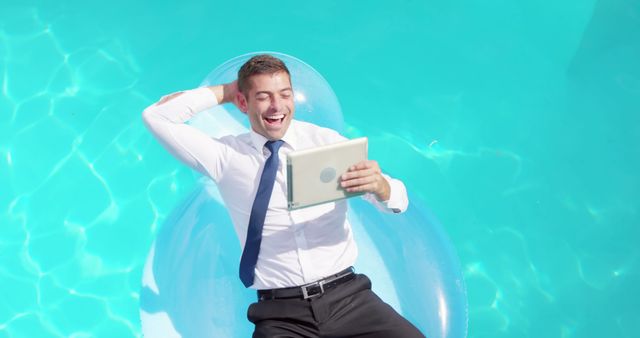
x=366 y=176
x=166 y=120
x=224 y=93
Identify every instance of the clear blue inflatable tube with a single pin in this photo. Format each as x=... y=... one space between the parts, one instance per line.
x=190 y=284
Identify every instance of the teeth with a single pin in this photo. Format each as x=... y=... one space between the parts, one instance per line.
x=275 y=117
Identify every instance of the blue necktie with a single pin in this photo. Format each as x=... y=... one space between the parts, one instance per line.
x=258 y=213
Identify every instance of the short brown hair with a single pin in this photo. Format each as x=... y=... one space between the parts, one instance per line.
x=259 y=64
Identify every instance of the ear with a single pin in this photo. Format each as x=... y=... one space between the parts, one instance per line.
x=242 y=102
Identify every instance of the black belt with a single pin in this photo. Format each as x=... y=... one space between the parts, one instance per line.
x=310 y=290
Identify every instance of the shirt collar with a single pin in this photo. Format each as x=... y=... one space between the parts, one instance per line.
x=290 y=138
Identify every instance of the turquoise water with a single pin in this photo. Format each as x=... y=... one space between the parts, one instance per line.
x=516 y=121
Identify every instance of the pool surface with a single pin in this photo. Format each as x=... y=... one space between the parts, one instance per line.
x=516 y=122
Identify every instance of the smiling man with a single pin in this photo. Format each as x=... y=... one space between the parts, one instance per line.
x=267 y=98
x=299 y=261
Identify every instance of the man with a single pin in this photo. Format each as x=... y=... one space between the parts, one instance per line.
x=299 y=261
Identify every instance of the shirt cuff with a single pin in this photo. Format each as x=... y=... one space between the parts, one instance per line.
x=398 y=201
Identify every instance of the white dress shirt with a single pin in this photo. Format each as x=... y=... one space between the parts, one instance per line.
x=298 y=246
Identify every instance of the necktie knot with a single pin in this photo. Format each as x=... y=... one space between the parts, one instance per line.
x=274 y=146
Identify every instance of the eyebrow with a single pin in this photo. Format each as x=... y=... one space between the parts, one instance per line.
x=269 y=92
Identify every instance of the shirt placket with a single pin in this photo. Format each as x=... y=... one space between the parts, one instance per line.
x=302 y=247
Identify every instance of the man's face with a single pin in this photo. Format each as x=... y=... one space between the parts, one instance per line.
x=269 y=104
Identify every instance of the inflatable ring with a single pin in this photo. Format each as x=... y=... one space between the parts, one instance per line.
x=190 y=285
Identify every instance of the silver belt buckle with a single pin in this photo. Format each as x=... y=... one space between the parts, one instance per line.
x=305 y=291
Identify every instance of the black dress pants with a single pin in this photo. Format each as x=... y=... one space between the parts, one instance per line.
x=349 y=310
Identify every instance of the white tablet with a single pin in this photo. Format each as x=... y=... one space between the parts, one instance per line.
x=313 y=175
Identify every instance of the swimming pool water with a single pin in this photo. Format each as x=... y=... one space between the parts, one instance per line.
x=517 y=122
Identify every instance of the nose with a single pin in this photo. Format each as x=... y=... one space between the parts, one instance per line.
x=276 y=103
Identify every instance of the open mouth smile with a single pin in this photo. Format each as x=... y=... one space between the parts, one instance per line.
x=274 y=120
